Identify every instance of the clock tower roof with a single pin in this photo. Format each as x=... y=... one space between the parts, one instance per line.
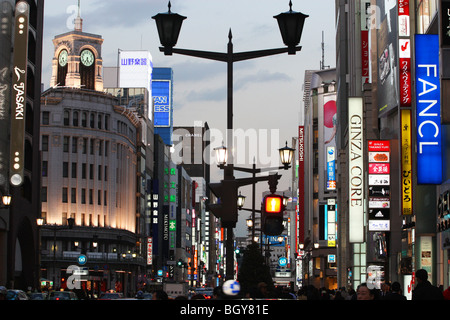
x=77 y=60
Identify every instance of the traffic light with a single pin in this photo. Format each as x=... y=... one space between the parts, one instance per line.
x=272 y=215
x=226 y=206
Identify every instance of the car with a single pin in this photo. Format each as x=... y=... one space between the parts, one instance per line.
x=12 y=294
x=62 y=295
x=38 y=296
x=111 y=296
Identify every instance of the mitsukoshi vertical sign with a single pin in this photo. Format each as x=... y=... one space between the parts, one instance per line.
x=428 y=110
x=356 y=169
x=19 y=92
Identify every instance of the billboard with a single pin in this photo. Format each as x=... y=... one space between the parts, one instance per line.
x=161 y=91
x=428 y=110
x=135 y=71
x=329 y=136
x=387 y=56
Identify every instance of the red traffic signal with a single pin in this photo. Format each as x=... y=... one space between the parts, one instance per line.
x=272 y=215
x=273 y=204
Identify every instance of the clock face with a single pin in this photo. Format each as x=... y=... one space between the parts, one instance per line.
x=63 y=58
x=87 y=58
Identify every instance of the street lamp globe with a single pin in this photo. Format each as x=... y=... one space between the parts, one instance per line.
x=291 y=27
x=240 y=200
x=221 y=155
x=286 y=155
x=39 y=221
x=169 y=27
x=6 y=199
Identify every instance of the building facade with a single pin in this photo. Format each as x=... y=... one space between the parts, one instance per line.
x=91 y=170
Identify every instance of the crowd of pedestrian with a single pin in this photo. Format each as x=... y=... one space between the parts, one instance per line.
x=423 y=290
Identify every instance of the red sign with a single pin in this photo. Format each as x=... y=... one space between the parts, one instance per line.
x=149 y=250
x=379 y=145
x=365 y=55
x=405 y=82
x=379 y=168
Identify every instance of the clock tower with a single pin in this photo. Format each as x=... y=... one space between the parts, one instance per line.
x=77 y=60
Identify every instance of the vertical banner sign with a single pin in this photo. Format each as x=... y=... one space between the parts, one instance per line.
x=301 y=184
x=406 y=162
x=331 y=222
x=428 y=109
x=19 y=92
x=149 y=250
x=329 y=137
x=365 y=20
x=404 y=53
x=379 y=180
x=331 y=168
x=356 y=170
x=405 y=72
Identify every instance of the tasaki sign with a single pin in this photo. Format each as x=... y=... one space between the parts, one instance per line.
x=428 y=110
x=18 y=101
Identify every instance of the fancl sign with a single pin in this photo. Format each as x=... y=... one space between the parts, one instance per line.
x=428 y=110
x=18 y=101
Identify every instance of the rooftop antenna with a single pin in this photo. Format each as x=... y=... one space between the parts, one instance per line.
x=322 y=63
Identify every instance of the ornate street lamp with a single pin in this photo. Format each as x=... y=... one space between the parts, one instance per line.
x=291 y=27
x=286 y=155
x=169 y=26
x=240 y=200
x=221 y=155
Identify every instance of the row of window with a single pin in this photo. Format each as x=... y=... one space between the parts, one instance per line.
x=92 y=120
x=86 y=219
x=86 y=143
x=86 y=195
x=102 y=171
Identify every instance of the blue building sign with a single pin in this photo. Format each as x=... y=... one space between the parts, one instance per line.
x=162 y=99
x=428 y=110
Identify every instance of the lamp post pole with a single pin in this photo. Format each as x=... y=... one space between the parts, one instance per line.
x=169 y=26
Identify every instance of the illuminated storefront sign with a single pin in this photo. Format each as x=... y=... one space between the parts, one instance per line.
x=405 y=72
x=428 y=110
x=330 y=216
x=379 y=176
x=331 y=168
x=301 y=187
x=161 y=90
x=356 y=170
x=406 y=162
x=18 y=101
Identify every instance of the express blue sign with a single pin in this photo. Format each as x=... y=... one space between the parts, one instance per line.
x=428 y=110
x=162 y=102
